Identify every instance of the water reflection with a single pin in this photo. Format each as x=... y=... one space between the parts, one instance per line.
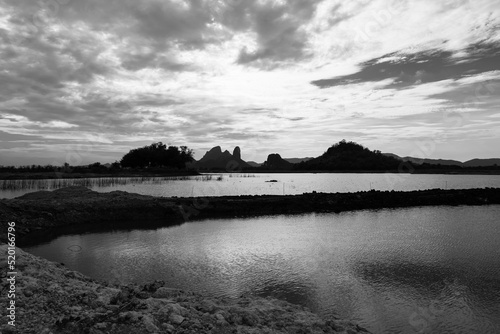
x=421 y=277
x=426 y=270
x=255 y=184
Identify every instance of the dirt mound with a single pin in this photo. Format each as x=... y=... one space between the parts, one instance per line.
x=58 y=194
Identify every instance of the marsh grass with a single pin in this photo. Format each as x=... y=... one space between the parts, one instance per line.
x=50 y=184
x=98 y=182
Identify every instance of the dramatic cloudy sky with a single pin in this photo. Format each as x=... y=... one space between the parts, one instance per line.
x=87 y=80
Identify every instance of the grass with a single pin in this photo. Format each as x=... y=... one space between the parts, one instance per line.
x=241 y=175
x=50 y=184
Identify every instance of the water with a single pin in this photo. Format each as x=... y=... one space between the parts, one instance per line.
x=426 y=270
x=255 y=184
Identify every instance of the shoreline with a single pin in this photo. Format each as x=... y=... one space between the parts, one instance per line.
x=51 y=298
x=121 y=174
x=58 y=300
x=43 y=214
x=62 y=175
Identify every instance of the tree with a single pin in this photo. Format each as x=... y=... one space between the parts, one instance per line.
x=115 y=165
x=348 y=155
x=158 y=155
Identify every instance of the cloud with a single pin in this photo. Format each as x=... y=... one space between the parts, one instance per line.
x=408 y=69
x=112 y=75
x=184 y=22
x=278 y=30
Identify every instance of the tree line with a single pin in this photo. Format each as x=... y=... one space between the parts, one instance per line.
x=154 y=156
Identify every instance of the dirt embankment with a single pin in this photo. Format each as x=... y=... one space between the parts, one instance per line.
x=45 y=214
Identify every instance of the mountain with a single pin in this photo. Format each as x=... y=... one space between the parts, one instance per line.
x=216 y=159
x=276 y=162
x=350 y=156
x=237 y=153
x=291 y=160
x=297 y=160
x=419 y=161
x=342 y=156
x=482 y=163
x=448 y=162
x=253 y=164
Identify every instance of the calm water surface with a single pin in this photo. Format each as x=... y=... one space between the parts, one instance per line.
x=426 y=270
x=255 y=184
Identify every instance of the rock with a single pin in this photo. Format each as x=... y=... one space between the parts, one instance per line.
x=158 y=304
x=176 y=319
x=8 y=329
x=149 y=324
x=237 y=153
x=207 y=306
x=221 y=321
x=166 y=293
x=75 y=308
x=132 y=316
x=168 y=327
x=101 y=310
x=177 y=309
x=206 y=318
x=100 y=325
x=112 y=307
x=249 y=319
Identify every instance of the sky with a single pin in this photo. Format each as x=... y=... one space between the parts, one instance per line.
x=84 y=80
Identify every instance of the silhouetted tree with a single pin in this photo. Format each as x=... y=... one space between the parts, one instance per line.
x=115 y=165
x=346 y=156
x=158 y=155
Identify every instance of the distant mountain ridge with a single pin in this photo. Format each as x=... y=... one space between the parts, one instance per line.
x=216 y=159
x=291 y=160
x=482 y=162
x=297 y=160
x=342 y=156
x=469 y=163
x=254 y=164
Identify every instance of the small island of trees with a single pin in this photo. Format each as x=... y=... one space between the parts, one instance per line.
x=158 y=155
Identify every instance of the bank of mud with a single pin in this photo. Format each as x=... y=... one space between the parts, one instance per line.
x=43 y=215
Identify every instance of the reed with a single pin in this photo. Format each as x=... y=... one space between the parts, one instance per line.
x=241 y=175
x=50 y=184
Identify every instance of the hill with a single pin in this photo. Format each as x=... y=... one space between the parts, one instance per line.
x=215 y=159
x=276 y=162
x=350 y=156
x=420 y=161
x=297 y=160
x=448 y=162
x=482 y=163
x=253 y=164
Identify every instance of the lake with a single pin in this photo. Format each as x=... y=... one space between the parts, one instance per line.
x=255 y=184
x=415 y=270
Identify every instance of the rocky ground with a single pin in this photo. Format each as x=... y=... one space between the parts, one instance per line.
x=50 y=298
